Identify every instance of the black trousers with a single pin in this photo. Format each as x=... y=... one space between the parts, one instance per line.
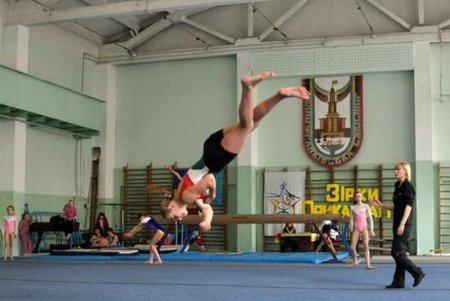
x=68 y=226
x=402 y=262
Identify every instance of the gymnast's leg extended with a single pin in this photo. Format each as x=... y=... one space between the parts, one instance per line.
x=249 y=116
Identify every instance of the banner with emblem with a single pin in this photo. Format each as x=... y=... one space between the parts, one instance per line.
x=283 y=194
x=333 y=119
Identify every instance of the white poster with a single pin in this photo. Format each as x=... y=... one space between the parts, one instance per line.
x=283 y=194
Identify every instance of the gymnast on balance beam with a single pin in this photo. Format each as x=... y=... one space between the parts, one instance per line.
x=198 y=185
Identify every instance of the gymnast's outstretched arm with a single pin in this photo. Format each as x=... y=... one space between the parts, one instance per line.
x=207 y=215
x=174 y=172
x=133 y=231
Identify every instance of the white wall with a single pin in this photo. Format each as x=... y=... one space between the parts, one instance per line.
x=57 y=56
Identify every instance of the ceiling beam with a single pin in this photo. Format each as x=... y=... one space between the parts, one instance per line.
x=146 y=34
x=281 y=20
x=117 y=9
x=48 y=3
x=82 y=32
x=420 y=12
x=118 y=58
x=206 y=29
x=152 y=30
x=250 y=21
x=444 y=24
x=128 y=21
x=390 y=14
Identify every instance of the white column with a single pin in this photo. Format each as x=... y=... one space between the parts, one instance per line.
x=244 y=68
x=424 y=176
x=246 y=160
x=106 y=89
x=107 y=139
x=15 y=49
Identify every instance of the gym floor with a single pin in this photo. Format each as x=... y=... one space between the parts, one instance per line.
x=65 y=279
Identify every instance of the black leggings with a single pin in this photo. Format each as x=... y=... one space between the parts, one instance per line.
x=402 y=262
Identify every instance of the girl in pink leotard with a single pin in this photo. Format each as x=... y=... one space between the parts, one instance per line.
x=9 y=232
x=358 y=225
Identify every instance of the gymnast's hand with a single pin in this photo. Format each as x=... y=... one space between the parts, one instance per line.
x=376 y=203
x=127 y=235
x=204 y=226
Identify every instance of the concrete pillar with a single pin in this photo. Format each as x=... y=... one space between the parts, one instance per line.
x=246 y=183
x=15 y=49
x=106 y=140
x=424 y=175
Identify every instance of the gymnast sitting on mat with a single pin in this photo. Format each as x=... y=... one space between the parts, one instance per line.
x=198 y=185
x=157 y=240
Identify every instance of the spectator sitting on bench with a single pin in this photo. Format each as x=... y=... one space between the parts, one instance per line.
x=289 y=228
x=98 y=240
x=113 y=239
x=102 y=223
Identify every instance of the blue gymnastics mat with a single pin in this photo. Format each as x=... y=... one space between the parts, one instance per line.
x=274 y=257
x=300 y=257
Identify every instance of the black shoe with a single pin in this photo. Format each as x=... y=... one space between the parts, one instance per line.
x=418 y=279
x=395 y=286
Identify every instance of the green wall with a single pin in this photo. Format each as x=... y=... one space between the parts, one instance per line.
x=166 y=110
x=441 y=101
x=57 y=170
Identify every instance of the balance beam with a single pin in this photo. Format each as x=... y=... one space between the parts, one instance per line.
x=226 y=219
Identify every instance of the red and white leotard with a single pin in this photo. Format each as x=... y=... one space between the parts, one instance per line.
x=192 y=177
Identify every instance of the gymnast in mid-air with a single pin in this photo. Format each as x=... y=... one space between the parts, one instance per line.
x=198 y=185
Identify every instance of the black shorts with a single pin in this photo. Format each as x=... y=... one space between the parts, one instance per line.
x=215 y=157
x=326 y=229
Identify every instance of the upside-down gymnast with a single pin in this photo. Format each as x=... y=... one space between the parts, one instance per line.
x=198 y=185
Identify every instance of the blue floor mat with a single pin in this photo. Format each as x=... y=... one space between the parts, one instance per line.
x=303 y=257
x=300 y=257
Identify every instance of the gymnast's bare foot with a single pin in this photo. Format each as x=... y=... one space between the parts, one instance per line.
x=353 y=264
x=299 y=92
x=251 y=81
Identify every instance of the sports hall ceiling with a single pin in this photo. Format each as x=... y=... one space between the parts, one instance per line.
x=133 y=29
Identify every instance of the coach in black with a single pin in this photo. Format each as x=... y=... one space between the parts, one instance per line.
x=403 y=200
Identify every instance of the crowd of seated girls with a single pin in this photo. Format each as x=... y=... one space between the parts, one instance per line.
x=103 y=237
